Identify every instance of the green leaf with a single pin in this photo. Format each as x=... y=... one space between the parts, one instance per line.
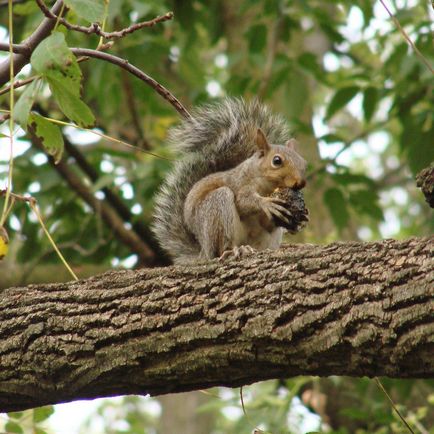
x=13 y=427
x=337 y=205
x=55 y=61
x=366 y=202
x=340 y=99
x=91 y=11
x=348 y=178
x=370 y=100
x=71 y=105
x=42 y=413
x=257 y=37
x=24 y=105
x=26 y=8
x=15 y=414
x=331 y=138
x=309 y=62
x=49 y=134
x=53 y=58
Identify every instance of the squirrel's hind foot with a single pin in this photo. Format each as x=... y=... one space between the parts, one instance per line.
x=237 y=252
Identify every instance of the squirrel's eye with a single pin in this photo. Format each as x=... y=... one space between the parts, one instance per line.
x=277 y=161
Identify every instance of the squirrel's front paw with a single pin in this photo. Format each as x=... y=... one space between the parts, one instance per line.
x=272 y=206
x=237 y=252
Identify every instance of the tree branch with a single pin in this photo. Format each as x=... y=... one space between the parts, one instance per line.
x=123 y=63
x=343 y=309
x=119 y=206
x=160 y=89
x=116 y=224
x=21 y=59
x=96 y=29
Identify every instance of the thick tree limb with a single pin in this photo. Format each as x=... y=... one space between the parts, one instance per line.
x=343 y=309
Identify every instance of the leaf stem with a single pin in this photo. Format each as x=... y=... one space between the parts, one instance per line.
x=380 y=385
x=34 y=207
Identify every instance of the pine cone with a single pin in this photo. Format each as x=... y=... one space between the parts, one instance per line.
x=295 y=204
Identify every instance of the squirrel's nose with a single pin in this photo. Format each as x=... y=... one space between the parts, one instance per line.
x=299 y=184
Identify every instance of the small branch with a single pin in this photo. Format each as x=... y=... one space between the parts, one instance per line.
x=271 y=54
x=160 y=89
x=363 y=134
x=18 y=197
x=21 y=59
x=4 y=117
x=34 y=207
x=407 y=38
x=112 y=219
x=16 y=48
x=139 y=227
x=132 y=108
x=18 y=83
x=96 y=29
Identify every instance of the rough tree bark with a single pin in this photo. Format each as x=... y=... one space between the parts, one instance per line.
x=343 y=309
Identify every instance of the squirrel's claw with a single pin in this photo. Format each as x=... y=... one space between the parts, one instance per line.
x=237 y=252
x=271 y=206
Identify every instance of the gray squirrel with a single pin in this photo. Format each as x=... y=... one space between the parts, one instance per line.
x=216 y=201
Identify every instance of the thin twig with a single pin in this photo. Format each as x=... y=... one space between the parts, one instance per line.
x=407 y=38
x=4 y=118
x=132 y=108
x=34 y=206
x=104 y=136
x=18 y=83
x=21 y=59
x=347 y=144
x=87 y=52
x=113 y=199
x=380 y=385
x=107 y=213
x=256 y=429
x=160 y=89
x=35 y=209
x=271 y=54
x=96 y=29
x=16 y=196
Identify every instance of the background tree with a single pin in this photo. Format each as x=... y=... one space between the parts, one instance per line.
x=358 y=98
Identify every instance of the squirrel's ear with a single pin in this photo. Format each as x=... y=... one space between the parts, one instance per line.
x=261 y=141
x=292 y=144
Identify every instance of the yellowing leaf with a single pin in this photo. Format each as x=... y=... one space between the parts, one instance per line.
x=4 y=243
x=49 y=135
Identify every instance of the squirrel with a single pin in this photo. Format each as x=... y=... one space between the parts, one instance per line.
x=216 y=201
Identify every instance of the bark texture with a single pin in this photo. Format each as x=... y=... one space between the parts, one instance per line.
x=343 y=309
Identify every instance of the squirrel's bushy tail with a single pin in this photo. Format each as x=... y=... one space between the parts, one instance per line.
x=217 y=137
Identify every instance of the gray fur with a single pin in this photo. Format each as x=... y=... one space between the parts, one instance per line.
x=217 y=137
